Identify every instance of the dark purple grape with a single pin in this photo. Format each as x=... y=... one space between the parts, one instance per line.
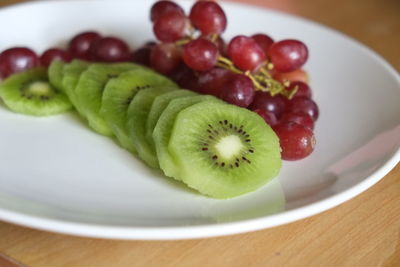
x=185 y=77
x=238 y=90
x=165 y=58
x=110 y=49
x=268 y=117
x=298 y=117
x=213 y=82
x=79 y=46
x=305 y=105
x=142 y=54
x=54 y=54
x=274 y=104
x=17 y=59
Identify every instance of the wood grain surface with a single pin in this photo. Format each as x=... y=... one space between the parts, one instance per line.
x=364 y=231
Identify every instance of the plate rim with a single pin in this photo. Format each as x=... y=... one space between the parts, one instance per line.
x=211 y=229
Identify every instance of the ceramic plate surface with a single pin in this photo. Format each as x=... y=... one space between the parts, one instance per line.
x=57 y=175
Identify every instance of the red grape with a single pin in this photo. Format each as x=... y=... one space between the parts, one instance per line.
x=110 y=49
x=80 y=45
x=213 y=82
x=305 y=105
x=165 y=57
x=142 y=54
x=185 y=78
x=17 y=59
x=170 y=27
x=54 y=54
x=246 y=53
x=297 y=141
x=275 y=104
x=298 y=117
x=208 y=17
x=238 y=90
x=162 y=7
x=293 y=76
x=268 y=117
x=303 y=89
x=264 y=41
x=200 y=54
x=288 y=55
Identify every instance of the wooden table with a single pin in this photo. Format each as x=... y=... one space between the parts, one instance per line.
x=362 y=232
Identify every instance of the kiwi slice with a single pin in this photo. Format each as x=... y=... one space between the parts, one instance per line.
x=118 y=94
x=55 y=73
x=137 y=114
x=31 y=93
x=158 y=106
x=222 y=150
x=71 y=75
x=163 y=128
x=89 y=92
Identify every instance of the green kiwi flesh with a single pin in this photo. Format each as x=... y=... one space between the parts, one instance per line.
x=71 y=74
x=158 y=106
x=163 y=128
x=89 y=92
x=118 y=94
x=137 y=114
x=55 y=73
x=31 y=93
x=223 y=151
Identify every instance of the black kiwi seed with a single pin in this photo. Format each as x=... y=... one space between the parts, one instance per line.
x=111 y=76
x=213 y=135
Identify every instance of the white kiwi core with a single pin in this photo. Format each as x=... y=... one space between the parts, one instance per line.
x=39 y=88
x=229 y=146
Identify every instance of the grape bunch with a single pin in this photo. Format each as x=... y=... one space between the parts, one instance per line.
x=254 y=72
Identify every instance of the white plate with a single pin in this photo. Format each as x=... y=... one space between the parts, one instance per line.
x=57 y=175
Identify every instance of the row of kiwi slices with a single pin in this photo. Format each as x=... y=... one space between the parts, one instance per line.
x=221 y=150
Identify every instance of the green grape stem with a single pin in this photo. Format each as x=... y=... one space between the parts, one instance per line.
x=262 y=79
